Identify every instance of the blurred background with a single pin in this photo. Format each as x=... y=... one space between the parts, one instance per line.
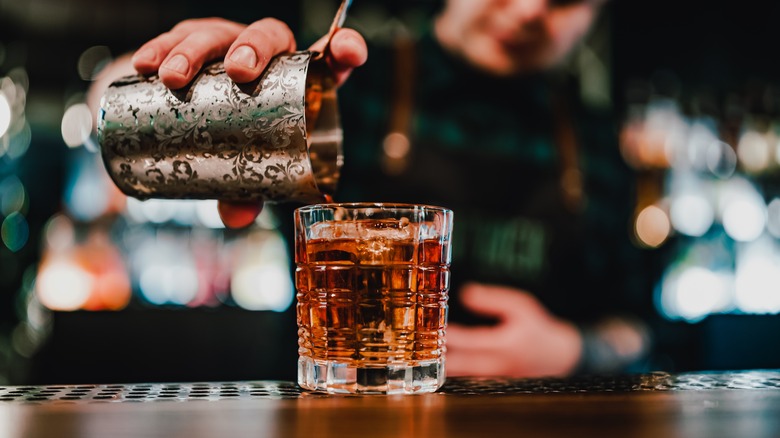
x=95 y=287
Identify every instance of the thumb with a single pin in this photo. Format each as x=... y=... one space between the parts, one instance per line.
x=238 y=214
x=348 y=50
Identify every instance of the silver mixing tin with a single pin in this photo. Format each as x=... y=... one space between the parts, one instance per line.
x=215 y=139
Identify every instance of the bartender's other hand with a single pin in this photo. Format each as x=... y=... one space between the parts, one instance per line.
x=528 y=341
x=238 y=214
x=179 y=54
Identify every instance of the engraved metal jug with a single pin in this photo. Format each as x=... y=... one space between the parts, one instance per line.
x=275 y=139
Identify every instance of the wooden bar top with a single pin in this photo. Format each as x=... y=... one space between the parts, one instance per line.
x=733 y=404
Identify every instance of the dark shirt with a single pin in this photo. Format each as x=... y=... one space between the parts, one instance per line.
x=485 y=147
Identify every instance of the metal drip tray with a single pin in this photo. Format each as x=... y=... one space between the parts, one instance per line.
x=657 y=381
x=211 y=391
x=150 y=392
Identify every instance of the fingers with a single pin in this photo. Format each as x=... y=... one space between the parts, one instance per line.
x=348 y=49
x=503 y=303
x=179 y=54
x=255 y=46
x=147 y=58
x=238 y=215
x=462 y=338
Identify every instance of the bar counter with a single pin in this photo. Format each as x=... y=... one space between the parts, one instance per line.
x=706 y=404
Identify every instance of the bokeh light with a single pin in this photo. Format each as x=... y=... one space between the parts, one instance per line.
x=76 y=125
x=267 y=219
x=208 y=215
x=261 y=279
x=701 y=138
x=184 y=212
x=652 y=226
x=59 y=233
x=9 y=89
x=721 y=159
x=158 y=211
x=15 y=231
x=262 y=287
x=691 y=213
x=744 y=219
x=773 y=217
x=777 y=152
x=741 y=209
x=21 y=80
x=90 y=261
x=135 y=210
x=166 y=269
x=18 y=143
x=654 y=137
x=693 y=292
x=5 y=114
x=396 y=145
x=699 y=292
x=63 y=285
x=169 y=284
x=111 y=291
x=753 y=151
x=757 y=278
x=13 y=196
x=92 y=61
x=86 y=192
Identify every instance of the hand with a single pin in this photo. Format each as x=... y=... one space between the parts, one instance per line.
x=179 y=54
x=527 y=341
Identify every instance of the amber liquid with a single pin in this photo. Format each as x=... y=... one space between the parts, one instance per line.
x=372 y=303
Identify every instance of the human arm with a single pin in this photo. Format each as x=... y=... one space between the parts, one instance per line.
x=528 y=341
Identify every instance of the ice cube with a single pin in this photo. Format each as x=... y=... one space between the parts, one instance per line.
x=364 y=229
x=390 y=229
x=334 y=230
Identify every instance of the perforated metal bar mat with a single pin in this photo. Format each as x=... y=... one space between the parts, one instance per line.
x=657 y=381
x=158 y=392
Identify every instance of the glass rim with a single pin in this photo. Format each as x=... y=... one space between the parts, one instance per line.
x=379 y=205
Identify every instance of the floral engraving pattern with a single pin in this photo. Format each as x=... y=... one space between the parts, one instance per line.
x=214 y=139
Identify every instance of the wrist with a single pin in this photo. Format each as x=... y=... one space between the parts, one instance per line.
x=610 y=346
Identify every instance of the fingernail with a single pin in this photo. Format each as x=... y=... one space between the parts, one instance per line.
x=244 y=56
x=178 y=63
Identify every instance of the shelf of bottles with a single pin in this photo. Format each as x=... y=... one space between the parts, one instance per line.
x=708 y=167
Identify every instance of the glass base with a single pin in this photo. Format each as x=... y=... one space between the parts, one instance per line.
x=339 y=378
